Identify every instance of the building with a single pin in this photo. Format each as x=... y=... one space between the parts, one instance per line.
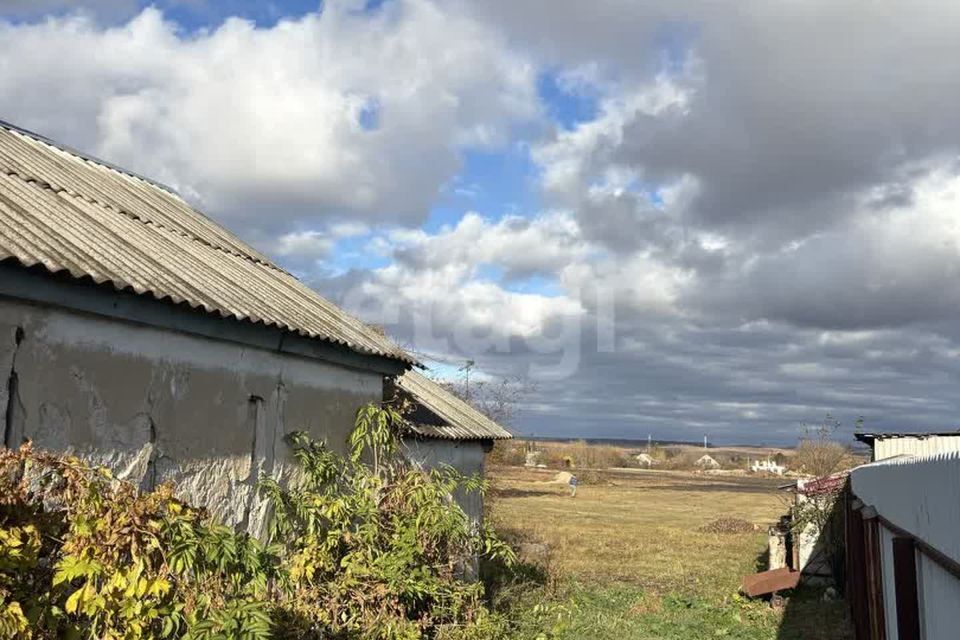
x=818 y=544
x=445 y=430
x=902 y=547
x=767 y=466
x=888 y=445
x=706 y=461
x=645 y=460
x=139 y=334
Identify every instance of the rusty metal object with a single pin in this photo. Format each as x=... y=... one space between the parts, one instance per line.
x=767 y=582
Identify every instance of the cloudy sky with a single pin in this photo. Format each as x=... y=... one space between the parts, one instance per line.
x=676 y=218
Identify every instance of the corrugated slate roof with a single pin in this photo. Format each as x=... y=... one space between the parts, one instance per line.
x=869 y=438
x=463 y=422
x=73 y=214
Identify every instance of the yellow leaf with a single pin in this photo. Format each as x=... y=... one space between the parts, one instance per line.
x=159 y=587
x=73 y=602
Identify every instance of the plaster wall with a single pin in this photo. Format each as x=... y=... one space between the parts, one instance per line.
x=466 y=456
x=157 y=405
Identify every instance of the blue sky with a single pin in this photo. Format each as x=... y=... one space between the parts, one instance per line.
x=673 y=218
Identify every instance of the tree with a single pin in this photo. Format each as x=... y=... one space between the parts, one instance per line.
x=818 y=454
x=499 y=400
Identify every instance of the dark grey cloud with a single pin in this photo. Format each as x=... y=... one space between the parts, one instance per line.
x=791 y=105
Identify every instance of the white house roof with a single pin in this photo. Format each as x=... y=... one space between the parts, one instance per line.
x=70 y=213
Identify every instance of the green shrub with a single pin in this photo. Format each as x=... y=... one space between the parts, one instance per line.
x=378 y=551
x=85 y=555
x=364 y=551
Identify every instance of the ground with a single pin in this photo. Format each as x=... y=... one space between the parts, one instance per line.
x=625 y=559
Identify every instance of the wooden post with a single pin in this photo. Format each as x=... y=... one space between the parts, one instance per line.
x=874 y=574
x=905 y=578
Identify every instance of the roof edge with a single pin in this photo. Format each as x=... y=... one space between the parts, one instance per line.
x=36 y=284
x=870 y=438
x=86 y=156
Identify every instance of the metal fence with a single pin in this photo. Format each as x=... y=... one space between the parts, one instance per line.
x=903 y=548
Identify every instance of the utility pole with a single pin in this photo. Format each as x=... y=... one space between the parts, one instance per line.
x=649 y=443
x=704 y=441
x=466 y=369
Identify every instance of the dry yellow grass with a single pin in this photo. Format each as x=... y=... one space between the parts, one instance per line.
x=640 y=527
x=626 y=559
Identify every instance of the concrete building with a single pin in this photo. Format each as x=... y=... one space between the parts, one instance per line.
x=139 y=334
x=767 y=466
x=445 y=430
x=888 y=445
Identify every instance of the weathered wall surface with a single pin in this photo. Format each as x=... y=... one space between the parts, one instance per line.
x=465 y=455
x=158 y=405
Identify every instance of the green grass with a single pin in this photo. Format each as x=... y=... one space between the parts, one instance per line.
x=626 y=560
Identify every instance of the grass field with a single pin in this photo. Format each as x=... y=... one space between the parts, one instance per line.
x=625 y=559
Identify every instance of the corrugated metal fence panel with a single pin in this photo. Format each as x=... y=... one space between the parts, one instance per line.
x=939 y=601
x=69 y=214
x=918 y=494
x=889 y=589
x=927 y=446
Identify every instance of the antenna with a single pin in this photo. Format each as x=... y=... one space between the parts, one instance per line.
x=466 y=369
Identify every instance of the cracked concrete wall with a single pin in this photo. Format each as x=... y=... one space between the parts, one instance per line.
x=157 y=405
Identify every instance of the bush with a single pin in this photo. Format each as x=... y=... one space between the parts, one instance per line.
x=377 y=552
x=583 y=455
x=683 y=460
x=85 y=555
x=355 y=551
x=507 y=453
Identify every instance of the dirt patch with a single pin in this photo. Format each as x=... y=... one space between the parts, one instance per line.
x=517 y=492
x=728 y=525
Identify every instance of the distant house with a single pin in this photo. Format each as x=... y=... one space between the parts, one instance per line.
x=707 y=462
x=767 y=466
x=445 y=430
x=888 y=445
x=138 y=333
x=644 y=460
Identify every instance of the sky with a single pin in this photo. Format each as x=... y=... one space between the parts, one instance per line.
x=674 y=219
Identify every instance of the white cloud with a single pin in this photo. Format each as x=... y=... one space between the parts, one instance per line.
x=572 y=158
x=309 y=244
x=267 y=123
x=445 y=308
x=520 y=246
x=768 y=195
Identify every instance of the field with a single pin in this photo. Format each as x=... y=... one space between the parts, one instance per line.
x=625 y=559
